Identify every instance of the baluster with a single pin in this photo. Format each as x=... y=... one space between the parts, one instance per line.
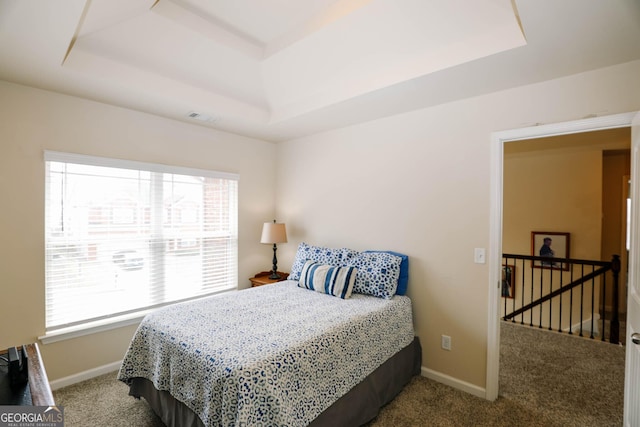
x=505 y=305
x=581 y=299
x=614 y=334
x=593 y=291
x=522 y=261
x=513 y=279
x=551 y=299
x=541 y=283
x=603 y=304
x=571 y=302
x=531 y=311
x=560 y=303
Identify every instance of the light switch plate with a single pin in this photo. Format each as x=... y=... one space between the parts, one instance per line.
x=480 y=256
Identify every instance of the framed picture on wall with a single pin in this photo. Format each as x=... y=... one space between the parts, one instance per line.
x=508 y=281
x=550 y=244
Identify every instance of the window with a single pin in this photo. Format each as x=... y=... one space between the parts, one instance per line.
x=122 y=237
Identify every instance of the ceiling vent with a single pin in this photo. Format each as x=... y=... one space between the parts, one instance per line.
x=202 y=117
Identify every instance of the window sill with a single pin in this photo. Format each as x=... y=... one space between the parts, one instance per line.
x=92 y=327
x=102 y=325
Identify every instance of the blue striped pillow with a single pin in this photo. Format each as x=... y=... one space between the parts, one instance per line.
x=327 y=279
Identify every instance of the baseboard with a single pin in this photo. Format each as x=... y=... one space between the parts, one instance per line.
x=454 y=382
x=85 y=375
x=425 y=372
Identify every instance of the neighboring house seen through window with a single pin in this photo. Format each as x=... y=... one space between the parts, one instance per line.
x=122 y=237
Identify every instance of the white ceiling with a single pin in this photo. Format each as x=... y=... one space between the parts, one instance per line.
x=280 y=69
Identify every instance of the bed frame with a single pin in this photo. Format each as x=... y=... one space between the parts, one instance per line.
x=359 y=406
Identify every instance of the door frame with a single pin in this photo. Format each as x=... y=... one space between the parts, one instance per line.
x=498 y=139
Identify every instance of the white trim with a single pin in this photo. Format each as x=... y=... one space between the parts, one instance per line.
x=57 y=156
x=115 y=366
x=453 y=382
x=495 y=254
x=631 y=405
x=92 y=327
x=88 y=328
x=564 y=128
x=85 y=375
x=585 y=326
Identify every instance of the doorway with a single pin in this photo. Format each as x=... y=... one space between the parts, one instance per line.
x=495 y=249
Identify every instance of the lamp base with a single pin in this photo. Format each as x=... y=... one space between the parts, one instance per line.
x=274 y=271
x=274 y=275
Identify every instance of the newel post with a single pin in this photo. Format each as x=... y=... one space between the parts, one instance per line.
x=614 y=331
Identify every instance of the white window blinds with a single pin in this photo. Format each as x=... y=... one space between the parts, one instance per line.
x=124 y=236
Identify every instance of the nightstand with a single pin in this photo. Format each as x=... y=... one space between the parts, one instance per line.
x=263 y=278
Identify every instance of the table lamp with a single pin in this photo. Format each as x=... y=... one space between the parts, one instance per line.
x=273 y=232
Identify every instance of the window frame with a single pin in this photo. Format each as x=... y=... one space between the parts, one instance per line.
x=125 y=318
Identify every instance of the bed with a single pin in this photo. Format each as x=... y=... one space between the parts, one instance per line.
x=275 y=355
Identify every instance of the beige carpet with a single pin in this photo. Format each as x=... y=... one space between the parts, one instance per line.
x=573 y=381
x=546 y=379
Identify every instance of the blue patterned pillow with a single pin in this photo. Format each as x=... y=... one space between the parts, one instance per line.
x=337 y=257
x=327 y=279
x=403 y=280
x=378 y=274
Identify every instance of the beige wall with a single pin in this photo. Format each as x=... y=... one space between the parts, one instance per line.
x=556 y=192
x=419 y=183
x=416 y=183
x=33 y=120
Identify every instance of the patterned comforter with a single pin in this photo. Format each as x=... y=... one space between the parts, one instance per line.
x=275 y=355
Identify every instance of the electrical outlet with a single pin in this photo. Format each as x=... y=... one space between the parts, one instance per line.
x=446 y=342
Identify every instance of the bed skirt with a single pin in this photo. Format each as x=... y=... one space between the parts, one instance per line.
x=359 y=406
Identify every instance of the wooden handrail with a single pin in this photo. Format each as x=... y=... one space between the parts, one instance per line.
x=561 y=260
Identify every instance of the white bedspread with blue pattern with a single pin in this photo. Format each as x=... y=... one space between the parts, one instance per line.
x=275 y=355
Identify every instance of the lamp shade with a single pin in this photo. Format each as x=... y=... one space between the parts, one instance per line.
x=273 y=232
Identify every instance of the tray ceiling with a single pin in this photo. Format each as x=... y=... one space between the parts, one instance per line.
x=279 y=69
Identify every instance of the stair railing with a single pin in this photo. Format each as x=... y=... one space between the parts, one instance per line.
x=585 y=276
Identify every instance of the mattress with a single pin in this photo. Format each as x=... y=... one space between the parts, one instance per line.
x=271 y=355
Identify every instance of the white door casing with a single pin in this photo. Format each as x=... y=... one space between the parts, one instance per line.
x=498 y=140
x=632 y=364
